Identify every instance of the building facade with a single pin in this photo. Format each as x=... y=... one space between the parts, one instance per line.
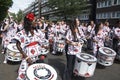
x=103 y=10
x=34 y=7
x=108 y=10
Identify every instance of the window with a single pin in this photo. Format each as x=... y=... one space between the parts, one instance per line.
x=106 y=3
x=114 y=2
x=98 y=5
x=108 y=15
x=119 y=2
x=109 y=2
x=118 y=14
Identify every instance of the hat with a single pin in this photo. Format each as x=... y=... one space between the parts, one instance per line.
x=30 y=16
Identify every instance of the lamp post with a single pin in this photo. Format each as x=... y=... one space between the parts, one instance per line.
x=93 y=10
x=39 y=7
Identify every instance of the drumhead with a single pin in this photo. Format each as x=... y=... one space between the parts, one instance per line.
x=107 y=51
x=41 y=71
x=12 y=47
x=86 y=57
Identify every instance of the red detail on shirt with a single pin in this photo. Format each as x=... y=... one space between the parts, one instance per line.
x=32 y=44
x=32 y=51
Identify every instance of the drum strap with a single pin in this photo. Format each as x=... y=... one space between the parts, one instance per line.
x=32 y=44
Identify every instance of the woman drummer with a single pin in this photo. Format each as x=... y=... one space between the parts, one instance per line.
x=98 y=39
x=72 y=39
x=28 y=42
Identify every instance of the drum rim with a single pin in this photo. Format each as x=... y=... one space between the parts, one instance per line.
x=53 y=71
x=10 y=49
x=102 y=52
x=89 y=61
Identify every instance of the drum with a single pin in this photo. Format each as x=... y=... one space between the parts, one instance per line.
x=85 y=65
x=41 y=71
x=60 y=45
x=12 y=53
x=43 y=50
x=106 y=56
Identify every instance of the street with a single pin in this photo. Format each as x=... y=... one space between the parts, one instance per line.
x=9 y=71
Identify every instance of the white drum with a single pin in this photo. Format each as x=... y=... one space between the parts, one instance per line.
x=41 y=71
x=60 y=45
x=13 y=53
x=43 y=50
x=85 y=65
x=106 y=56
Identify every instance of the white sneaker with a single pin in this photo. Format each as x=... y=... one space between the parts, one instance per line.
x=53 y=52
x=5 y=62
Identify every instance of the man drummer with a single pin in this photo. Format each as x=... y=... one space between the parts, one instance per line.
x=116 y=38
x=28 y=42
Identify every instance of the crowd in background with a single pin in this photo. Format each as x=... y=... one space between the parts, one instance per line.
x=94 y=36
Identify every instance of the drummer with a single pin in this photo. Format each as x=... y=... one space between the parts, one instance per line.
x=90 y=35
x=116 y=37
x=28 y=42
x=73 y=36
x=11 y=31
x=98 y=39
x=107 y=32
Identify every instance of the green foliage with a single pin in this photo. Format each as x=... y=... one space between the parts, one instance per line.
x=68 y=7
x=4 y=6
x=18 y=17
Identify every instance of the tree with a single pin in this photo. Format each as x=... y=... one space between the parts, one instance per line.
x=68 y=7
x=19 y=16
x=4 y=6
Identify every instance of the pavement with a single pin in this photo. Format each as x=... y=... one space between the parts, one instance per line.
x=9 y=71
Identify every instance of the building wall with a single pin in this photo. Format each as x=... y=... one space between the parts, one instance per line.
x=108 y=10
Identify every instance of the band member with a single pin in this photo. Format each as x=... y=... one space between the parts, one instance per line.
x=108 y=35
x=4 y=29
x=11 y=31
x=72 y=39
x=116 y=41
x=98 y=39
x=90 y=35
x=28 y=42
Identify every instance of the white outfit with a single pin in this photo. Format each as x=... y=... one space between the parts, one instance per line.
x=72 y=50
x=31 y=46
x=100 y=42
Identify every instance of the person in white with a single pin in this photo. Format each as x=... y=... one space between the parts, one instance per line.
x=29 y=43
x=108 y=35
x=90 y=35
x=72 y=39
x=116 y=41
x=98 y=39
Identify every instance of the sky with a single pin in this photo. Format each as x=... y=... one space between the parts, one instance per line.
x=20 y=4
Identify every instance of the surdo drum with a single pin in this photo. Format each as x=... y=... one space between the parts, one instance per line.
x=41 y=71
x=85 y=65
x=60 y=45
x=43 y=50
x=106 y=56
x=13 y=53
